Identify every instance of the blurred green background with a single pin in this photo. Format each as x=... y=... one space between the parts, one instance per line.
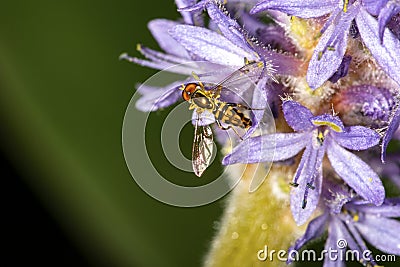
x=63 y=97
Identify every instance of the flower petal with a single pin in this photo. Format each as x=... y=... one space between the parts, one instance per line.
x=209 y=45
x=159 y=61
x=302 y=9
x=393 y=127
x=159 y=56
x=342 y=71
x=358 y=243
x=282 y=64
x=390 y=208
x=190 y=11
x=364 y=105
x=274 y=92
x=269 y=147
x=381 y=232
x=328 y=54
x=391 y=168
x=297 y=116
x=337 y=232
x=394 y=25
x=374 y=6
x=154 y=97
x=159 y=30
x=356 y=173
x=387 y=54
x=315 y=228
x=276 y=37
x=190 y=5
x=336 y=195
x=259 y=101
x=271 y=34
x=356 y=138
x=305 y=196
x=385 y=15
x=228 y=27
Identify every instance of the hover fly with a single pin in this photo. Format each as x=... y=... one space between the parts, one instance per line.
x=227 y=115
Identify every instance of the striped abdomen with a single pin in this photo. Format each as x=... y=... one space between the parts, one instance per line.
x=230 y=113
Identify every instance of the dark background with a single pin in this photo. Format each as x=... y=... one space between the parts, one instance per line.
x=68 y=196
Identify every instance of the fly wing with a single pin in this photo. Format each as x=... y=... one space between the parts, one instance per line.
x=202 y=147
x=238 y=81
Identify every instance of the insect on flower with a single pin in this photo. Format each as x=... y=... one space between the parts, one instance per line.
x=227 y=115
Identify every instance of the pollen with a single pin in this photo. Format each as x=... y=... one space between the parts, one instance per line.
x=331 y=125
x=321 y=137
x=345 y=5
x=305 y=33
x=320 y=54
x=308 y=97
x=356 y=218
x=316 y=92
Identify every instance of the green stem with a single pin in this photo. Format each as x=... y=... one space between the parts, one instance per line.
x=252 y=221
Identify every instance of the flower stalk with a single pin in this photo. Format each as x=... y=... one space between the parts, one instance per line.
x=252 y=221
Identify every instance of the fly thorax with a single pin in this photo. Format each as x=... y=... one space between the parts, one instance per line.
x=203 y=102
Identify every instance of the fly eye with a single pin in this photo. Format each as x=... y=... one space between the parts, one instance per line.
x=185 y=95
x=189 y=90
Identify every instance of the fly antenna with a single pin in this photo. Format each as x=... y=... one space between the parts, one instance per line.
x=197 y=78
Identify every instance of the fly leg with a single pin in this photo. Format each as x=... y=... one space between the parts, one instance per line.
x=240 y=106
x=227 y=128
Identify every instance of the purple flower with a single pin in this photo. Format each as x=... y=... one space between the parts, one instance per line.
x=328 y=54
x=393 y=127
x=342 y=71
x=370 y=105
x=217 y=48
x=271 y=35
x=228 y=50
x=389 y=17
x=318 y=135
x=349 y=221
x=194 y=18
x=160 y=97
x=390 y=169
x=365 y=105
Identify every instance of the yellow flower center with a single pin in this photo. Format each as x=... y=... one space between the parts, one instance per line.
x=331 y=125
